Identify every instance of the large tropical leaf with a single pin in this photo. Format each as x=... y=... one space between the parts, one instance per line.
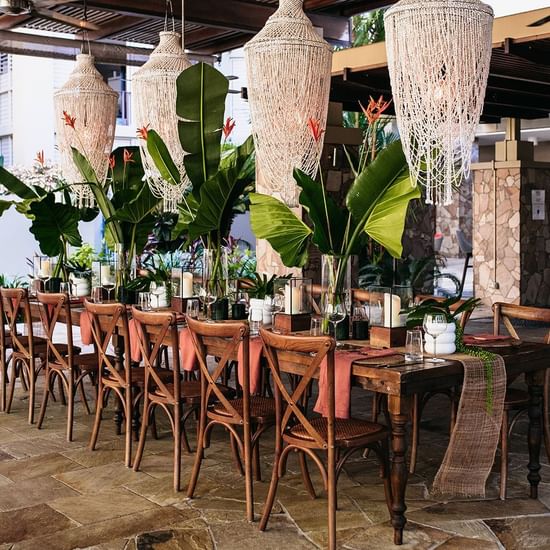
x=53 y=224
x=379 y=198
x=202 y=91
x=274 y=221
x=4 y=205
x=329 y=222
x=129 y=174
x=162 y=159
x=16 y=186
x=84 y=167
x=137 y=209
x=220 y=195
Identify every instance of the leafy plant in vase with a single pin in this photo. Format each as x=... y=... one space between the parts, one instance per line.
x=376 y=206
x=219 y=181
x=79 y=266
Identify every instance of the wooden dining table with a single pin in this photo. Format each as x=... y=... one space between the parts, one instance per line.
x=400 y=382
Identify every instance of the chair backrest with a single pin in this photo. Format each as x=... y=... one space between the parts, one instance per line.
x=155 y=330
x=310 y=353
x=55 y=307
x=15 y=303
x=109 y=321
x=506 y=312
x=223 y=341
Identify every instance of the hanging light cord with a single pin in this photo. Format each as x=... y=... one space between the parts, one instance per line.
x=85 y=35
x=169 y=12
x=183 y=25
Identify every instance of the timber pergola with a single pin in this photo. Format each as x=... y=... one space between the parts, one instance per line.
x=519 y=78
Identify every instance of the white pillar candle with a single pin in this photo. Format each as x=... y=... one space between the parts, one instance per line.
x=392 y=307
x=45 y=269
x=186 y=285
x=293 y=300
x=105 y=274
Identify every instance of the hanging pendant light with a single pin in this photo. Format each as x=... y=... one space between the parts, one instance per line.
x=85 y=113
x=439 y=53
x=289 y=71
x=154 y=94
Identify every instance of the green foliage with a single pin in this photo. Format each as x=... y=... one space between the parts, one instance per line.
x=241 y=259
x=416 y=314
x=16 y=282
x=17 y=187
x=261 y=286
x=80 y=262
x=162 y=159
x=201 y=105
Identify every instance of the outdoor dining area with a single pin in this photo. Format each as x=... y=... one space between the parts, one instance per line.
x=181 y=388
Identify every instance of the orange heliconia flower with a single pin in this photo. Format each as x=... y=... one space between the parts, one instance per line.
x=112 y=162
x=316 y=130
x=143 y=132
x=228 y=127
x=69 y=120
x=128 y=156
x=40 y=158
x=375 y=109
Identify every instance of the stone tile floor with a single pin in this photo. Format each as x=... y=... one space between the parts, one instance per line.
x=58 y=495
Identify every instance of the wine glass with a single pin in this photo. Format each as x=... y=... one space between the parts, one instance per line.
x=435 y=324
x=276 y=305
x=108 y=279
x=192 y=309
x=334 y=311
x=207 y=296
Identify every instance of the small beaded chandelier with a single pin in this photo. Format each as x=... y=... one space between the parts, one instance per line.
x=289 y=71
x=439 y=53
x=154 y=96
x=85 y=113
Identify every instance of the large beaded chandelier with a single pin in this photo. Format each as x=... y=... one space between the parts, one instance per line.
x=85 y=113
x=154 y=95
x=289 y=71
x=439 y=53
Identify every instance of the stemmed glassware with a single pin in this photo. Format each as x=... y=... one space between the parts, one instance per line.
x=276 y=304
x=192 y=309
x=334 y=310
x=207 y=297
x=108 y=278
x=435 y=324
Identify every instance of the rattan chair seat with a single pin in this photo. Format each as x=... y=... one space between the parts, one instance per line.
x=262 y=409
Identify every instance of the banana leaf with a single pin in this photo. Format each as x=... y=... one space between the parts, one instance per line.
x=200 y=104
x=16 y=186
x=138 y=208
x=327 y=236
x=274 y=221
x=379 y=198
x=54 y=224
x=162 y=159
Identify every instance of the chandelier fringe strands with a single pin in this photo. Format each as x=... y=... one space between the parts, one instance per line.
x=93 y=106
x=439 y=53
x=289 y=71
x=154 y=95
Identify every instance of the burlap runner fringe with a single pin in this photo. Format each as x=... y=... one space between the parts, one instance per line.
x=474 y=441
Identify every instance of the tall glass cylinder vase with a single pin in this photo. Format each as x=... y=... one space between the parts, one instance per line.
x=214 y=287
x=123 y=271
x=336 y=295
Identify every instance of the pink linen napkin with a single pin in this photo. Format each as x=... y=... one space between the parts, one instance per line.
x=86 y=329
x=472 y=339
x=254 y=361
x=188 y=356
x=374 y=352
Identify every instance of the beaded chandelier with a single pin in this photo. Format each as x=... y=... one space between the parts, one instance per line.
x=154 y=95
x=85 y=113
x=439 y=52
x=289 y=71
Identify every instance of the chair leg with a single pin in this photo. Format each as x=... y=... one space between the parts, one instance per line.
x=415 y=428
x=546 y=414
x=47 y=382
x=177 y=448
x=70 y=412
x=15 y=368
x=256 y=466
x=235 y=454
x=268 y=506
x=199 y=454
x=305 y=475
x=3 y=376
x=142 y=435
x=504 y=455
x=332 y=499
x=32 y=391
x=83 y=397
x=97 y=420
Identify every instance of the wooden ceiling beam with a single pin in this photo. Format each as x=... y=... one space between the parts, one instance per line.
x=122 y=23
x=8 y=22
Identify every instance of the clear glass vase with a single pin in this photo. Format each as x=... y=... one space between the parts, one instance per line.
x=336 y=295
x=214 y=284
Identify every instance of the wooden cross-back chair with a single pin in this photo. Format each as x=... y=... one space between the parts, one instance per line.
x=165 y=389
x=68 y=366
x=336 y=438
x=27 y=350
x=517 y=401
x=218 y=407
x=109 y=321
x=5 y=344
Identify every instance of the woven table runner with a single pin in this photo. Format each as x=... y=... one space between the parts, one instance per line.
x=474 y=441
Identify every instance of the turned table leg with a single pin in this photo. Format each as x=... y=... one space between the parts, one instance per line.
x=399 y=414
x=534 y=437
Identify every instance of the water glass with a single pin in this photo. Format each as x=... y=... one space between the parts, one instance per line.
x=65 y=288
x=255 y=327
x=192 y=309
x=413 y=346
x=144 y=301
x=97 y=294
x=316 y=326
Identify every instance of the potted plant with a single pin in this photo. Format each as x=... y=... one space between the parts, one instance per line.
x=79 y=266
x=158 y=274
x=260 y=287
x=446 y=342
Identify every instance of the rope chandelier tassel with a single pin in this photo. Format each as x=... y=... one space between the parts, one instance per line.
x=154 y=95
x=289 y=71
x=85 y=113
x=439 y=53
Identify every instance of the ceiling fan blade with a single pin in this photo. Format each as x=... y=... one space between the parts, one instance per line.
x=67 y=19
x=540 y=22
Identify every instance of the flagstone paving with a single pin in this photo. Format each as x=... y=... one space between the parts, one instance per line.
x=58 y=495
